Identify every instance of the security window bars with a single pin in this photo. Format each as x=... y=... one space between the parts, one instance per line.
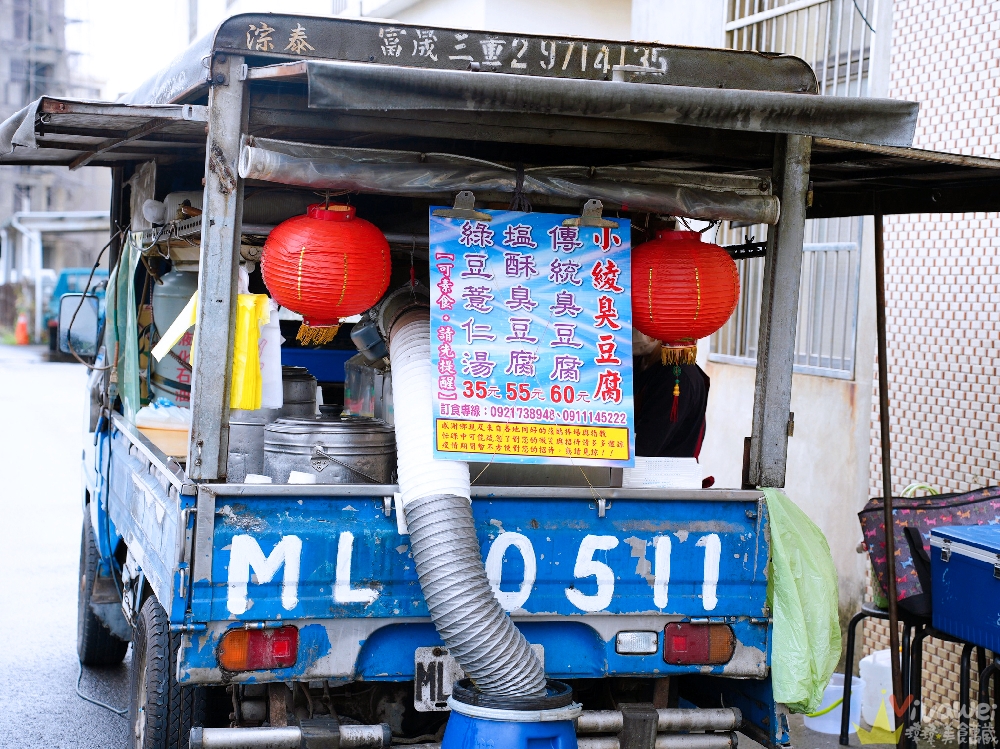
x=834 y=36
x=828 y=302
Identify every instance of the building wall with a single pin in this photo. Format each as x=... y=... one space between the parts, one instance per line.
x=827 y=473
x=607 y=19
x=942 y=273
x=470 y=14
x=694 y=24
x=34 y=61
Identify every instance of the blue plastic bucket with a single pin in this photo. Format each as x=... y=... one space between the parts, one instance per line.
x=478 y=720
x=464 y=731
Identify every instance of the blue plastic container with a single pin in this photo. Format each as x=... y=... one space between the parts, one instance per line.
x=326 y=365
x=965 y=583
x=479 y=720
x=464 y=732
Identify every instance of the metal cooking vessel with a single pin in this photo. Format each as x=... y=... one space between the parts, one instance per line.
x=335 y=451
x=299 y=392
x=246 y=428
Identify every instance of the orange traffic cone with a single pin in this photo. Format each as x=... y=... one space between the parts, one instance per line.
x=21 y=337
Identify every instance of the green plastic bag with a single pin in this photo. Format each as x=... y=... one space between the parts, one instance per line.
x=803 y=596
x=121 y=328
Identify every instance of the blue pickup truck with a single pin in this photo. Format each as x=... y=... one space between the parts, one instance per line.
x=264 y=611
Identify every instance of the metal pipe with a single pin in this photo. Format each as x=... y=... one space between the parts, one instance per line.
x=351 y=737
x=668 y=741
x=779 y=315
x=663 y=741
x=883 y=407
x=715 y=719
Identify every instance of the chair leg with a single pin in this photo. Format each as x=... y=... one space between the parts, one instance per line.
x=907 y=656
x=964 y=683
x=845 y=709
x=996 y=718
x=985 y=676
x=916 y=672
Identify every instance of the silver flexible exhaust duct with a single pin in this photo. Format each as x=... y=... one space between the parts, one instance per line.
x=436 y=503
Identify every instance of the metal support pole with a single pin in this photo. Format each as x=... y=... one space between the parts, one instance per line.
x=118 y=219
x=778 y=314
x=220 y=247
x=845 y=714
x=883 y=407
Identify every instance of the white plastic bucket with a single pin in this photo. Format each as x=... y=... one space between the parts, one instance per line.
x=876 y=670
x=826 y=718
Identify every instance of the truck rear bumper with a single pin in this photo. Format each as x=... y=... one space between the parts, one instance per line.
x=382 y=649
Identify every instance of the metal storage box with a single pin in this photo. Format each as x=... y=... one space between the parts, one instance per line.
x=965 y=582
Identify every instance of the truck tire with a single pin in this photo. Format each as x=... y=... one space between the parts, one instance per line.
x=95 y=645
x=161 y=711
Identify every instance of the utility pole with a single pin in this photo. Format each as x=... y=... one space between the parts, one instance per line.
x=192 y=20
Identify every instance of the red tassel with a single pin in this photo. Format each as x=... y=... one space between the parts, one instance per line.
x=677 y=393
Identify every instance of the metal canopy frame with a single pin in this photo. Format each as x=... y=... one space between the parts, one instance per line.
x=847 y=176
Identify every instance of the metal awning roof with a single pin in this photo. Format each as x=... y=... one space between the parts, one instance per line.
x=75 y=133
x=356 y=87
x=588 y=123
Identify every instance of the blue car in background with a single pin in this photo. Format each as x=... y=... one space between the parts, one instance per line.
x=70 y=281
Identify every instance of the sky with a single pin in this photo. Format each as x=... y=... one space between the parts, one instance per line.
x=123 y=42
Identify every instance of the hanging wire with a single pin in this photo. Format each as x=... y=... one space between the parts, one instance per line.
x=92 y=701
x=858 y=8
x=90 y=278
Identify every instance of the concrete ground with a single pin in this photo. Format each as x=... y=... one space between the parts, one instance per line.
x=41 y=422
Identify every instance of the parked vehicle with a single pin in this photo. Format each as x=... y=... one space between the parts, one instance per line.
x=292 y=613
x=70 y=280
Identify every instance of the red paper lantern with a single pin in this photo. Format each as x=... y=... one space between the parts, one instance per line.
x=326 y=265
x=683 y=289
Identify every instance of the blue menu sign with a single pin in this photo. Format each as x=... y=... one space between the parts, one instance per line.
x=531 y=328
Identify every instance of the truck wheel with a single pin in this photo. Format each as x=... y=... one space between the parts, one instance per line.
x=161 y=711
x=95 y=645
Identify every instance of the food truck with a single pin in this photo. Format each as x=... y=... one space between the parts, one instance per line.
x=462 y=499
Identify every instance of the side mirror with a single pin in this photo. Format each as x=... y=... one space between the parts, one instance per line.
x=79 y=322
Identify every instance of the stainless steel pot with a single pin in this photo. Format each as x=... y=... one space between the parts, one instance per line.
x=246 y=428
x=246 y=441
x=299 y=393
x=335 y=451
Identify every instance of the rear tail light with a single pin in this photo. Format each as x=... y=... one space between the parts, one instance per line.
x=698 y=644
x=257 y=649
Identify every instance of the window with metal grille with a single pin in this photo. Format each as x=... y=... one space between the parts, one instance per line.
x=836 y=38
x=828 y=302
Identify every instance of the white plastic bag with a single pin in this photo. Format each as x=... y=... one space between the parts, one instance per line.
x=269 y=345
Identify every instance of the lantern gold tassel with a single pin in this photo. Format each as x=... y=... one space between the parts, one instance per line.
x=310 y=336
x=673 y=355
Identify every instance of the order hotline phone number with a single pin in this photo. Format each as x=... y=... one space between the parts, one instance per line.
x=570 y=415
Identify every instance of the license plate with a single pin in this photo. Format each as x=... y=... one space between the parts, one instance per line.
x=434 y=674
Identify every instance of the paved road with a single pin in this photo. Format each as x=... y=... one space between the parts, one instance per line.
x=41 y=419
